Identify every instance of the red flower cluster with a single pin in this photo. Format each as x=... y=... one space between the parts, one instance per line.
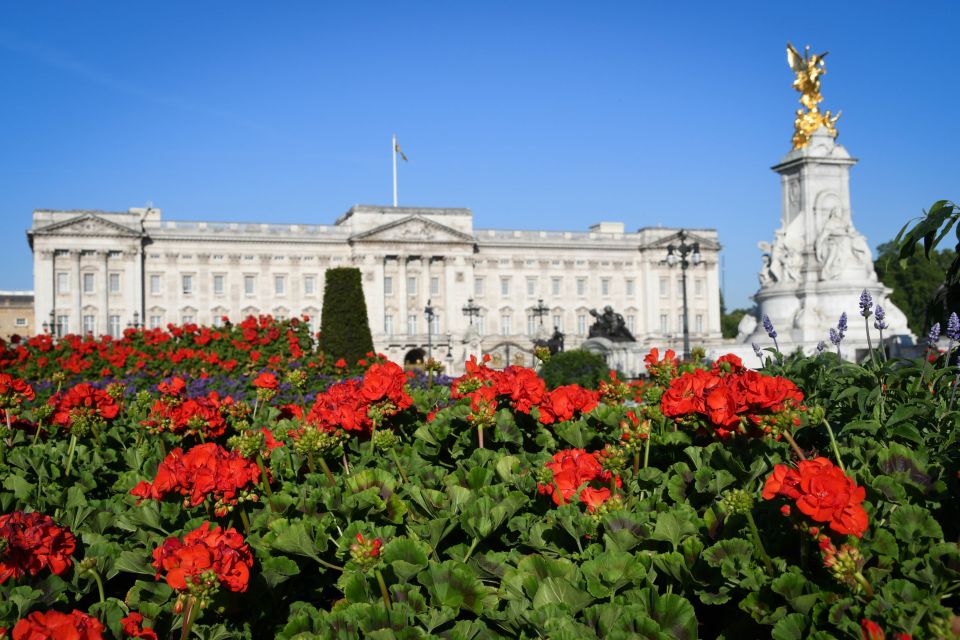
x=83 y=400
x=206 y=553
x=663 y=370
x=872 y=631
x=53 y=625
x=206 y=470
x=823 y=492
x=133 y=627
x=730 y=400
x=13 y=391
x=573 y=472
x=564 y=403
x=32 y=542
x=266 y=380
x=176 y=413
x=347 y=404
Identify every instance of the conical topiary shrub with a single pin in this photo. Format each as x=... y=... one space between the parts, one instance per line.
x=344 y=328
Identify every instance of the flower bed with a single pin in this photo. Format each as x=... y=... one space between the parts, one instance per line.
x=231 y=483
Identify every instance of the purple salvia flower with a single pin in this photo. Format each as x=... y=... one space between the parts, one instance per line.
x=866 y=303
x=756 y=350
x=934 y=335
x=821 y=347
x=953 y=327
x=879 y=317
x=769 y=326
x=842 y=325
x=835 y=337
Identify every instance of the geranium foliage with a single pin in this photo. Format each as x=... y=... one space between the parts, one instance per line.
x=232 y=482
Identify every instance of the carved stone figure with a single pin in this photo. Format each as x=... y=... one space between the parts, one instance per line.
x=748 y=323
x=808 y=69
x=781 y=261
x=838 y=246
x=610 y=325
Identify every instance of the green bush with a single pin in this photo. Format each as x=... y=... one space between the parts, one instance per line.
x=575 y=367
x=344 y=328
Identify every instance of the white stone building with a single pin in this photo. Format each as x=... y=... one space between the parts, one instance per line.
x=100 y=272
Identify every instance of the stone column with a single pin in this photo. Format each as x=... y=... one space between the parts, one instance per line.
x=401 y=293
x=77 y=297
x=104 y=297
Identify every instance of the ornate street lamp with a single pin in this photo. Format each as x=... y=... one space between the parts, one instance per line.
x=136 y=321
x=428 y=312
x=471 y=310
x=540 y=310
x=677 y=255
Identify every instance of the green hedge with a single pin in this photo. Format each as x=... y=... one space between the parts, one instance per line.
x=344 y=328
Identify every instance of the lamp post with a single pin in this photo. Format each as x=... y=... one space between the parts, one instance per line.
x=136 y=321
x=540 y=310
x=471 y=310
x=678 y=255
x=428 y=312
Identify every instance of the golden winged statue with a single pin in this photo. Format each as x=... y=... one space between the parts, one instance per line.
x=808 y=69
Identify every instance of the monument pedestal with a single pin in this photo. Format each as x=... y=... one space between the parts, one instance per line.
x=818 y=264
x=626 y=357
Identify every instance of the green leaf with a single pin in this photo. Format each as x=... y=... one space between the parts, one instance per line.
x=910 y=522
x=674 y=525
x=134 y=562
x=453 y=584
x=405 y=556
x=560 y=591
x=791 y=627
x=278 y=569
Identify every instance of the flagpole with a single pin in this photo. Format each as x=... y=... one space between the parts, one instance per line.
x=393 y=152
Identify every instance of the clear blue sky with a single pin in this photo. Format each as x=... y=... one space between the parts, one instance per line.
x=545 y=115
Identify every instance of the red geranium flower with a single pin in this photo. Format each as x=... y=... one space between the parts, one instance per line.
x=13 y=391
x=206 y=550
x=53 y=625
x=266 y=380
x=206 y=470
x=573 y=471
x=33 y=542
x=132 y=626
x=823 y=492
x=563 y=403
x=83 y=399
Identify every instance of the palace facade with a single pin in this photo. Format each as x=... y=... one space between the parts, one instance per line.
x=100 y=272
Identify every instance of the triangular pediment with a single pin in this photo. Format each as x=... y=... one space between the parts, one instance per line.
x=413 y=229
x=692 y=236
x=88 y=224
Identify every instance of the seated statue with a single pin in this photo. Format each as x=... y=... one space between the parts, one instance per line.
x=610 y=325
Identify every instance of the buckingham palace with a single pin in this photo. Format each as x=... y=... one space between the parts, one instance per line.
x=488 y=290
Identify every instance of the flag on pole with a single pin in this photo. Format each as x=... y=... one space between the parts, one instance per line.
x=396 y=149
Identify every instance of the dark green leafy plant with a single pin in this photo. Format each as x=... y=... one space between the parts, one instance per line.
x=344 y=329
x=575 y=367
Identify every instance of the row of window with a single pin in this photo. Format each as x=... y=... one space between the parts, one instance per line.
x=556 y=286
x=88 y=282
x=188 y=284
x=533 y=324
x=698 y=287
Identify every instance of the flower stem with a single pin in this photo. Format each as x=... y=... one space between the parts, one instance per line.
x=646 y=452
x=327 y=472
x=396 y=461
x=70 y=451
x=96 y=576
x=263 y=475
x=833 y=443
x=383 y=588
x=866 y=321
x=758 y=544
x=328 y=565
x=473 y=545
x=867 y=587
x=480 y=435
x=246 y=521
x=188 y=617
x=346 y=465
x=36 y=434
x=636 y=462
x=793 y=443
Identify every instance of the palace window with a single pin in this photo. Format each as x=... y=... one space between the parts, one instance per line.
x=388 y=285
x=699 y=323
x=581 y=287
x=558 y=322
x=505 y=328
x=280 y=285
x=90 y=324
x=249 y=285
x=411 y=285
x=664 y=287
x=114 y=283
x=504 y=286
x=434 y=286
x=478 y=287
x=155 y=322
x=218 y=285
x=605 y=286
x=63 y=325
x=582 y=325
x=698 y=287
x=555 y=286
x=154 y=285
x=630 y=287
x=114 y=326
x=187 y=285
x=88 y=283
x=388 y=324
x=411 y=325
x=309 y=285
x=631 y=323
x=531 y=287
x=664 y=323
x=63 y=282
